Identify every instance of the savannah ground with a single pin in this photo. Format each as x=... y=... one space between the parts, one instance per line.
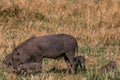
x=94 y=23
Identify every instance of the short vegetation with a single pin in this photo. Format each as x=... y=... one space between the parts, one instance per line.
x=94 y=23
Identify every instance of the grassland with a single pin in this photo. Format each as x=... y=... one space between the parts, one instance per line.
x=94 y=23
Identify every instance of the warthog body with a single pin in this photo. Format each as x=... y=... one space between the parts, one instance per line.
x=110 y=66
x=47 y=46
x=79 y=61
x=29 y=68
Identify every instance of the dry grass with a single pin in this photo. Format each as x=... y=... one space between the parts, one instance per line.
x=94 y=23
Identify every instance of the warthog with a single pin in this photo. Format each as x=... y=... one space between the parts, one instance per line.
x=29 y=68
x=79 y=61
x=48 y=46
x=110 y=66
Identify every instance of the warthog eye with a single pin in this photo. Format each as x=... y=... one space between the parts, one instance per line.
x=18 y=53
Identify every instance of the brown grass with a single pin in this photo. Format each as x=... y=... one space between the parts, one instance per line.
x=94 y=23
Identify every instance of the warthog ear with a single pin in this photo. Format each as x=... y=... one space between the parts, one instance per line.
x=15 y=49
x=14 y=45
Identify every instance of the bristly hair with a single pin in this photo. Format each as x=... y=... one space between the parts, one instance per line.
x=20 y=45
